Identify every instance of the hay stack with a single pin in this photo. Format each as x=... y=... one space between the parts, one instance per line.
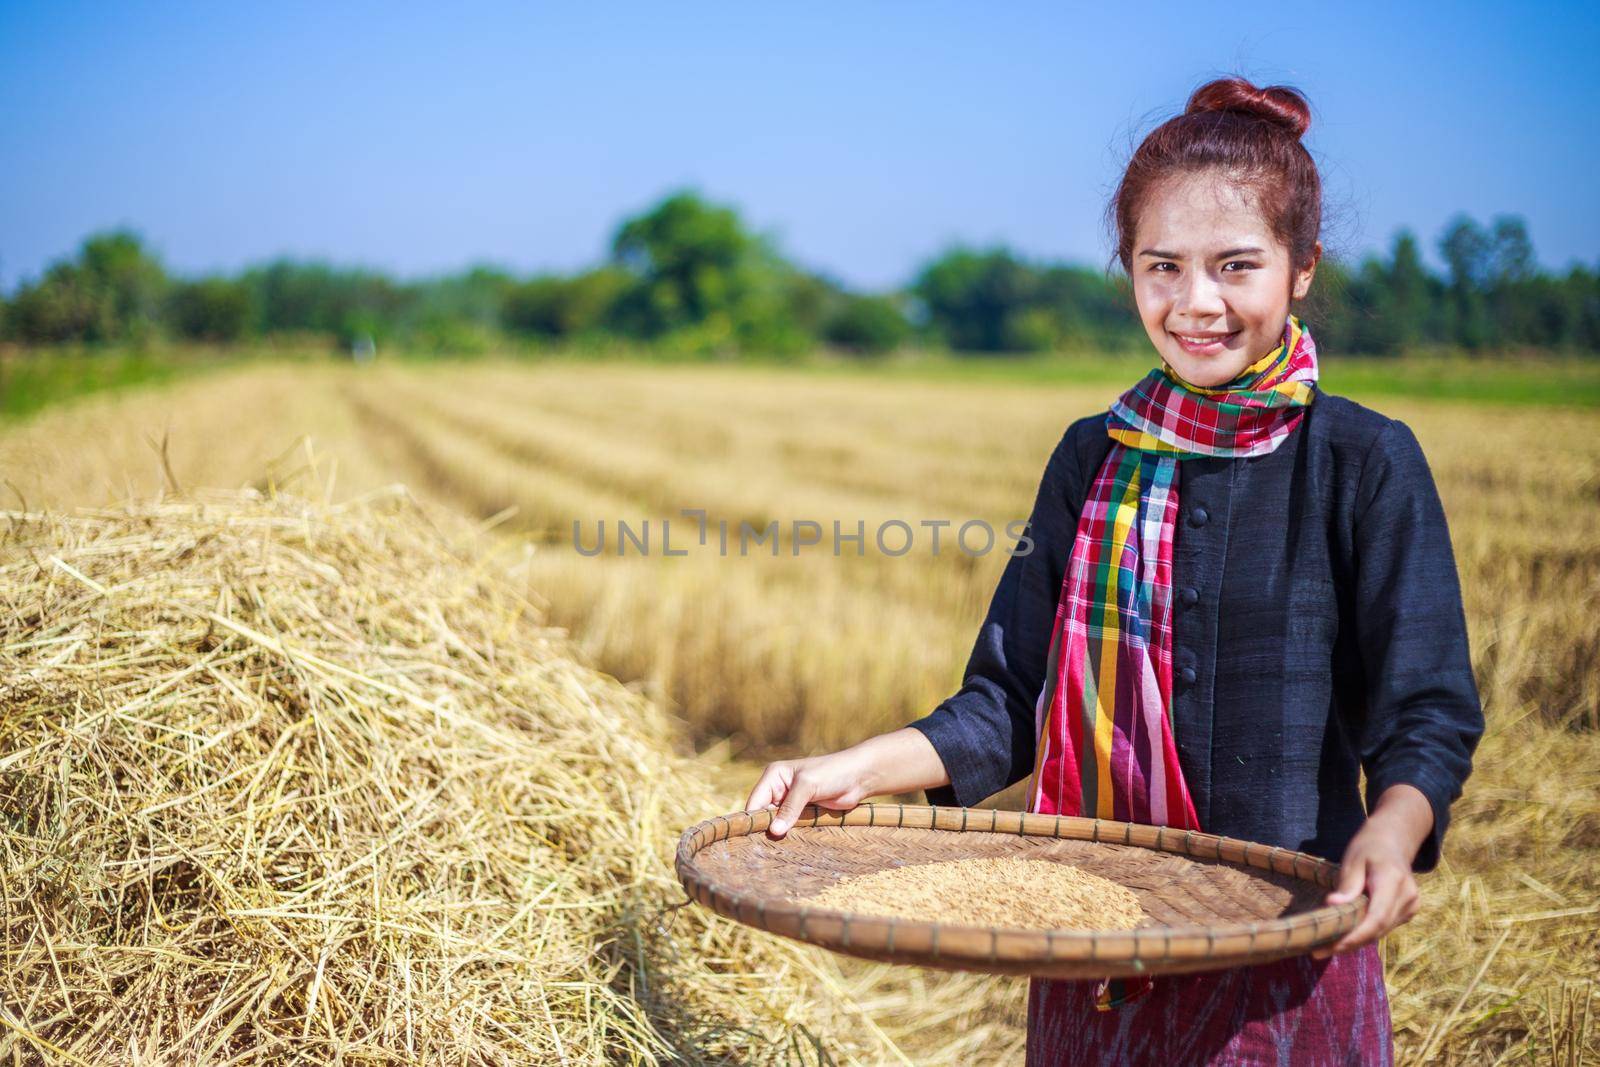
x=289 y=782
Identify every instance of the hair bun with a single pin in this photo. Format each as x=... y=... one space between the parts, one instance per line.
x=1278 y=104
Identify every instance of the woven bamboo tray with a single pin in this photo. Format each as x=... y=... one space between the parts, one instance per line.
x=1211 y=902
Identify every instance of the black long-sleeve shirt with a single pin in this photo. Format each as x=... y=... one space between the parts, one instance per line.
x=1317 y=630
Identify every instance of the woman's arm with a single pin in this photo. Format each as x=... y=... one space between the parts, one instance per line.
x=1423 y=717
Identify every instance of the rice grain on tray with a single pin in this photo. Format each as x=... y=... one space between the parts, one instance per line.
x=985 y=891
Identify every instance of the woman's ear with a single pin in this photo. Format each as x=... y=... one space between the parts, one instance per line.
x=1302 y=277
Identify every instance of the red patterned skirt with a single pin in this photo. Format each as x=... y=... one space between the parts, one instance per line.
x=1300 y=1011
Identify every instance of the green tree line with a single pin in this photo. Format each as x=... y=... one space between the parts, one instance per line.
x=688 y=275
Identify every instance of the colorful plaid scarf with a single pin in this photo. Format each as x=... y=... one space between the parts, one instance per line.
x=1106 y=746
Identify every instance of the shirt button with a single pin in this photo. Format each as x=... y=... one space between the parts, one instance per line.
x=1188 y=675
x=1189 y=596
x=1198 y=516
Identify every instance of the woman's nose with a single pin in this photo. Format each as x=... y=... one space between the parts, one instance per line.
x=1200 y=295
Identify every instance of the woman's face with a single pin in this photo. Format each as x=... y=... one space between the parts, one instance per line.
x=1211 y=281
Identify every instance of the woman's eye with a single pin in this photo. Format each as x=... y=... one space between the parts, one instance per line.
x=1163 y=267
x=1242 y=264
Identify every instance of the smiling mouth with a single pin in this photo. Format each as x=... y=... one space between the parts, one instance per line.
x=1203 y=342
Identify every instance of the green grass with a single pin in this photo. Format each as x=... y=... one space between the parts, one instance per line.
x=1521 y=380
x=32 y=380
x=1573 y=381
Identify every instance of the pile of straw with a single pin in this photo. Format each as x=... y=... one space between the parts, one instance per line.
x=282 y=781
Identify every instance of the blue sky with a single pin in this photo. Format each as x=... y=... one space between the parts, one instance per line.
x=865 y=137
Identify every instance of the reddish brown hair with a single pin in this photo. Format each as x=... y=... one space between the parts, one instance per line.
x=1250 y=134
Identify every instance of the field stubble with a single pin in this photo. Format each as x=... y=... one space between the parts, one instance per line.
x=769 y=657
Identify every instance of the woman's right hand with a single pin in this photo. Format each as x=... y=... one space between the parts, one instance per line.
x=896 y=762
x=838 y=781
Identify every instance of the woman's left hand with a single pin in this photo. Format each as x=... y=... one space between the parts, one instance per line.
x=1378 y=861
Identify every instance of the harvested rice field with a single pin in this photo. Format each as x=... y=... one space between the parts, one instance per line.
x=329 y=768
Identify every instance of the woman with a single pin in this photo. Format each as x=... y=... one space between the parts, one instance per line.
x=1284 y=613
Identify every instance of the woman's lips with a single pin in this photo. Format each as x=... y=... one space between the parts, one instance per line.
x=1203 y=344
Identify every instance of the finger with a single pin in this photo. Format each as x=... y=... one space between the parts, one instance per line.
x=799 y=794
x=1410 y=901
x=1352 y=876
x=1383 y=886
x=1352 y=879
x=761 y=793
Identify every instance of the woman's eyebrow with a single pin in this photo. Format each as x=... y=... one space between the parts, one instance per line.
x=1251 y=251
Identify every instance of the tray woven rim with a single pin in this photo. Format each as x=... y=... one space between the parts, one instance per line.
x=1150 y=949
